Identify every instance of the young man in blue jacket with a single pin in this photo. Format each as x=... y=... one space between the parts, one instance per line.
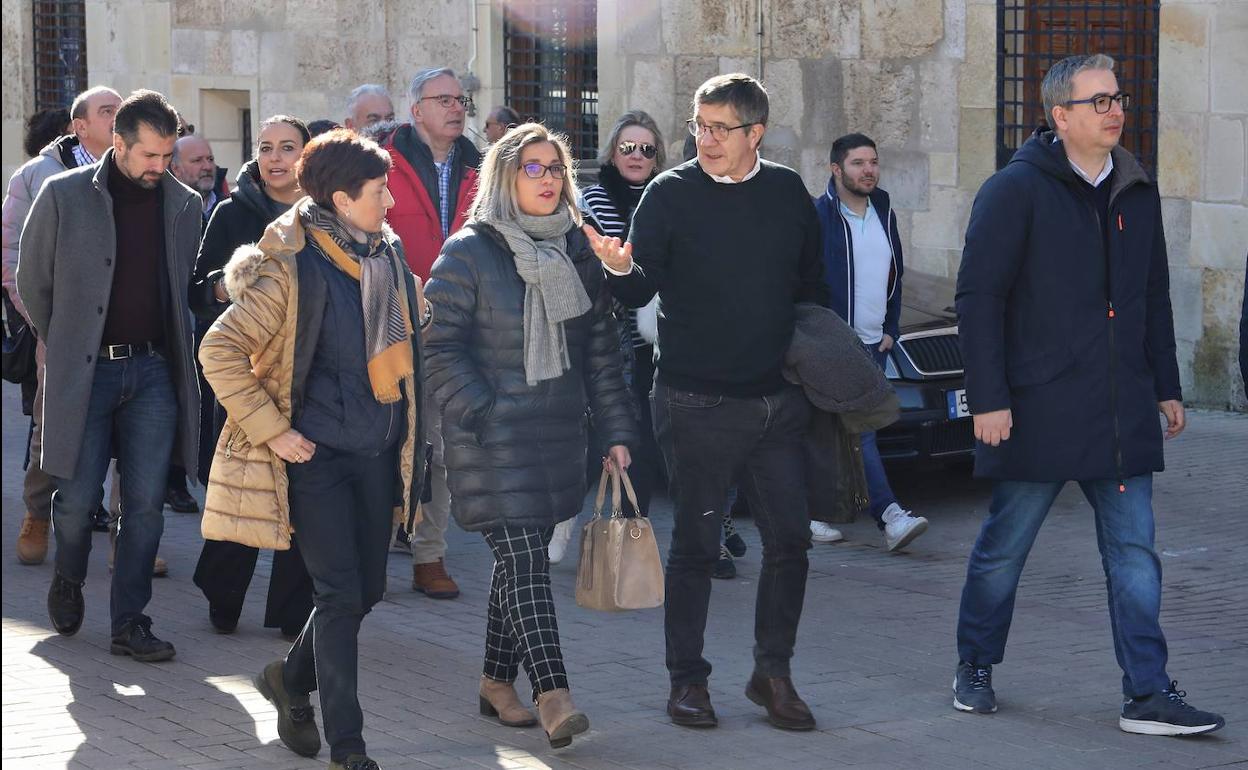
x=1068 y=337
x=862 y=265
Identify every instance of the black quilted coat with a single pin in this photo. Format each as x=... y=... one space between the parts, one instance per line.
x=515 y=455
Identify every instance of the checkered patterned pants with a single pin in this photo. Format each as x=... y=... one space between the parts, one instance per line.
x=521 y=626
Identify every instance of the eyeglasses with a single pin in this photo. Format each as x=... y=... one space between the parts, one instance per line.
x=719 y=132
x=446 y=100
x=648 y=151
x=538 y=170
x=1102 y=103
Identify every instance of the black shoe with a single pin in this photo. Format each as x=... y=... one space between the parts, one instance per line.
x=222 y=622
x=295 y=723
x=355 y=762
x=65 y=606
x=180 y=501
x=735 y=544
x=99 y=519
x=137 y=640
x=724 y=568
x=1166 y=713
x=689 y=705
x=972 y=689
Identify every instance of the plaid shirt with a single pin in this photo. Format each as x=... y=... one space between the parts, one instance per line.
x=444 y=189
x=83 y=157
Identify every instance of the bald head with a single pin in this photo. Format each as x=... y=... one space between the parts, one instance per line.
x=194 y=165
x=92 y=115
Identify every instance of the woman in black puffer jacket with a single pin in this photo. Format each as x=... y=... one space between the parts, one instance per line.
x=522 y=341
x=266 y=189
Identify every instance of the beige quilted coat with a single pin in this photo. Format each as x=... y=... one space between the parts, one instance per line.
x=248 y=357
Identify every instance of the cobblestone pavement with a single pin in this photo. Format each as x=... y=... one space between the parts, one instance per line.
x=875 y=652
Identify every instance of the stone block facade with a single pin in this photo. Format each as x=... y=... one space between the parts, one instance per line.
x=919 y=76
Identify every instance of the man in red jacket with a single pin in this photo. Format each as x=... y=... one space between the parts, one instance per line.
x=433 y=179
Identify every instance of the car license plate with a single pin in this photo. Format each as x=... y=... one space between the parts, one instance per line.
x=956 y=400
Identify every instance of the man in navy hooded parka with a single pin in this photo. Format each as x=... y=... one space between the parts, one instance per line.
x=1068 y=340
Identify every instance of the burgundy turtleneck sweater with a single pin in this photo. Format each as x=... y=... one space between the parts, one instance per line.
x=134 y=307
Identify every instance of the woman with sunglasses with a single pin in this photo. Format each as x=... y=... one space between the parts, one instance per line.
x=522 y=341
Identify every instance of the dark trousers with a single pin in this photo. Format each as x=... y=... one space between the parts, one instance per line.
x=707 y=441
x=224 y=573
x=132 y=405
x=521 y=628
x=342 y=506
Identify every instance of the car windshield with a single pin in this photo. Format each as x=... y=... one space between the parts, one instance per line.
x=926 y=298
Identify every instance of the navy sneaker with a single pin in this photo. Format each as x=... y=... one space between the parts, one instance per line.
x=1166 y=713
x=972 y=689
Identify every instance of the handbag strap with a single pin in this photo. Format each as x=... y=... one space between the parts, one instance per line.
x=601 y=498
x=628 y=489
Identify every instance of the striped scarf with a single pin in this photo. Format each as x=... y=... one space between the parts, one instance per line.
x=387 y=324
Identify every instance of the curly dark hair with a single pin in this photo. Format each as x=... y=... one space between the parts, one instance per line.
x=43 y=127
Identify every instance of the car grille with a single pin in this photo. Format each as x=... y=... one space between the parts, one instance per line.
x=936 y=354
x=952 y=437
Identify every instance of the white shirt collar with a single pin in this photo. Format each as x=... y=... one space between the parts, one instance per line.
x=758 y=164
x=1105 y=172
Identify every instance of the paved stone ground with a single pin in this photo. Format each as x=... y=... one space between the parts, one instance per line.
x=875 y=654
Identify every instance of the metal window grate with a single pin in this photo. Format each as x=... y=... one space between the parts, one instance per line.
x=550 y=50
x=1033 y=34
x=60 y=44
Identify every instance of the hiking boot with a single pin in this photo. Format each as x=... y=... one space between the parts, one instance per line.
x=32 y=541
x=180 y=501
x=295 y=723
x=432 y=580
x=355 y=762
x=901 y=527
x=972 y=689
x=66 y=608
x=724 y=568
x=558 y=547
x=824 y=533
x=1166 y=713
x=137 y=640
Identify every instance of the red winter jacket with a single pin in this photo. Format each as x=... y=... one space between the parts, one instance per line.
x=414 y=218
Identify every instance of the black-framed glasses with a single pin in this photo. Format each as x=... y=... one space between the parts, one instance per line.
x=718 y=132
x=537 y=170
x=1102 y=103
x=648 y=151
x=446 y=100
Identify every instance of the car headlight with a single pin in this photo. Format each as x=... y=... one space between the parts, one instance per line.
x=890 y=368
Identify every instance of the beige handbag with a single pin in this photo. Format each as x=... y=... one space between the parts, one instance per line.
x=620 y=567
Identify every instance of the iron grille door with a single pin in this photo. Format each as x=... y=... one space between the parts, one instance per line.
x=60 y=43
x=1033 y=34
x=550 y=50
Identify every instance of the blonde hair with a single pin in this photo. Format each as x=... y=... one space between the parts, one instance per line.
x=635 y=118
x=496 y=184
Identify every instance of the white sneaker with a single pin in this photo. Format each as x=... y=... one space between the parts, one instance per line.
x=559 y=541
x=901 y=527
x=822 y=533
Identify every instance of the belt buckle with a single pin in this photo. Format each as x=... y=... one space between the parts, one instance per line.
x=115 y=352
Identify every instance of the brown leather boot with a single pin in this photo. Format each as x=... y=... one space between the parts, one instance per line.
x=559 y=716
x=32 y=540
x=499 y=699
x=432 y=580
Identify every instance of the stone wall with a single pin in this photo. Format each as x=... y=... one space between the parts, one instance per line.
x=1202 y=168
x=18 y=73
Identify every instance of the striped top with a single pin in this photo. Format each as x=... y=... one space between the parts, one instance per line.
x=612 y=224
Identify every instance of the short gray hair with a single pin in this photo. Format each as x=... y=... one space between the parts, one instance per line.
x=745 y=95
x=423 y=77
x=1059 y=81
x=368 y=89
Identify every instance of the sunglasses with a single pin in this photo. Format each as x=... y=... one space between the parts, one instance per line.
x=538 y=170
x=648 y=151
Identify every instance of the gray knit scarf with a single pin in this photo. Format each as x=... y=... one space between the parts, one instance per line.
x=553 y=292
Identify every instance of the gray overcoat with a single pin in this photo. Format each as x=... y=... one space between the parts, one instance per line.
x=65 y=276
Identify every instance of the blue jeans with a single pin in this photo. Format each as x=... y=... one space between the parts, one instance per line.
x=133 y=407
x=878 y=490
x=1124 y=534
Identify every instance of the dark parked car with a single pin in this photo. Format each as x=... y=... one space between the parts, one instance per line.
x=925 y=368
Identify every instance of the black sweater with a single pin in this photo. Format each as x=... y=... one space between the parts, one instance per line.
x=729 y=262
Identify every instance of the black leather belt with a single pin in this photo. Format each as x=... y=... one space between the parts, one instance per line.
x=119 y=352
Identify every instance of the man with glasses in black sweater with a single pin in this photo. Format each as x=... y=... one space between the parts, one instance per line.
x=730 y=243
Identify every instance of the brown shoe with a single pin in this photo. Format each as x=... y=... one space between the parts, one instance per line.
x=499 y=699
x=432 y=581
x=785 y=708
x=559 y=716
x=32 y=540
x=690 y=706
